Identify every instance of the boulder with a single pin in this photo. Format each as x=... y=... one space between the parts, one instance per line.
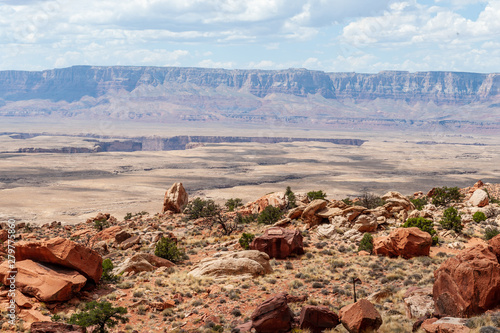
x=106 y=234
x=142 y=262
x=276 y=199
x=328 y=212
x=395 y=201
x=317 y=318
x=418 y=302
x=48 y=283
x=122 y=236
x=479 y=198
x=60 y=251
x=52 y=327
x=365 y=223
x=469 y=283
x=243 y=264
x=326 y=230
x=4 y=235
x=296 y=212
x=176 y=199
x=360 y=317
x=273 y=315
x=352 y=212
x=129 y=242
x=495 y=246
x=403 y=242
x=279 y=242
x=310 y=213
x=445 y=325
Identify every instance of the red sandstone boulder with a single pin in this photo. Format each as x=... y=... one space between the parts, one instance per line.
x=317 y=318
x=279 y=242
x=176 y=199
x=495 y=246
x=48 y=283
x=469 y=283
x=51 y=327
x=4 y=235
x=106 y=234
x=445 y=325
x=360 y=317
x=276 y=199
x=403 y=242
x=63 y=252
x=309 y=215
x=273 y=316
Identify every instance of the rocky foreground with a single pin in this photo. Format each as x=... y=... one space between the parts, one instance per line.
x=309 y=271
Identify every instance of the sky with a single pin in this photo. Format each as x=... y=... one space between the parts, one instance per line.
x=364 y=36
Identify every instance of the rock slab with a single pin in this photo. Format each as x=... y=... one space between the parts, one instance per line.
x=317 y=318
x=403 y=242
x=279 y=243
x=360 y=317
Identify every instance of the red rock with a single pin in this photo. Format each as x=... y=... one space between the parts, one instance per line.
x=479 y=198
x=444 y=325
x=418 y=302
x=309 y=215
x=122 y=236
x=129 y=242
x=403 y=242
x=476 y=186
x=495 y=246
x=51 y=327
x=62 y=252
x=468 y=284
x=48 y=283
x=360 y=317
x=279 y=242
x=106 y=234
x=4 y=235
x=273 y=316
x=176 y=199
x=276 y=199
x=317 y=318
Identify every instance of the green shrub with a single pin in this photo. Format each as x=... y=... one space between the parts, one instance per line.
x=451 y=220
x=290 y=198
x=201 y=208
x=491 y=199
x=489 y=233
x=313 y=195
x=366 y=243
x=101 y=224
x=269 y=215
x=348 y=201
x=419 y=203
x=233 y=204
x=245 y=219
x=167 y=249
x=246 y=239
x=443 y=196
x=424 y=225
x=100 y=314
x=479 y=217
x=107 y=267
x=370 y=200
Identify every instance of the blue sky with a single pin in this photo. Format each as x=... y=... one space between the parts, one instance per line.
x=329 y=35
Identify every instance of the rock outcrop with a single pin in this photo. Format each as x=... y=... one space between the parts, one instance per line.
x=63 y=252
x=176 y=199
x=48 y=283
x=276 y=199
x=360 y=317
x=317 y=318
x=403 y=242
x=141 y=262
x=52 y=327
x=243 y=264
x=273 y=316
x=445 y=325
x=469 y=283
x=279 y=243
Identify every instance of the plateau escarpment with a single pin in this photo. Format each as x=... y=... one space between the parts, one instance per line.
x=389 y=99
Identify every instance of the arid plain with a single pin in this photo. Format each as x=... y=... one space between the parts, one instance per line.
x=46 y=187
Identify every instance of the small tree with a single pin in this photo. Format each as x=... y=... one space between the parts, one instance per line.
x=419 y=203
x=313 y=195
x=424 y=225
x=246 y=239
x=269 y=215
x=479 y=217
x=166 y=248
x=348 y=201
x=100 y=224
x=452 y=220
x=443 y=196
x=366 y=243
x=200 y=208
x=101 y=314
x=370 y=200
x=489 y=233
x=233 y=204
x=107 y=267
x=290 y=198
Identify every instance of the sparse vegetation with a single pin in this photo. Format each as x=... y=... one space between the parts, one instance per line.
x=313 y=195
x=232 y=204
x=166 y=248
x=100 y=314
x=443 y=196
x=419 y=203
x=348 y=201
x=451 y=220
x=270 y=215
x=290 y=198
x=366 y=243
x=245 y=240
x=424 y=225
x=107 y=267
x=490 y=232
x=100 y=224
x=370 y=200
x=479 y=217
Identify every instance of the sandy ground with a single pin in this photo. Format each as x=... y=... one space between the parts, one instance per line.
x=41 y=188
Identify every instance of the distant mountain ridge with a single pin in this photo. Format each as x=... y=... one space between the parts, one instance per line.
x=201 y=94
